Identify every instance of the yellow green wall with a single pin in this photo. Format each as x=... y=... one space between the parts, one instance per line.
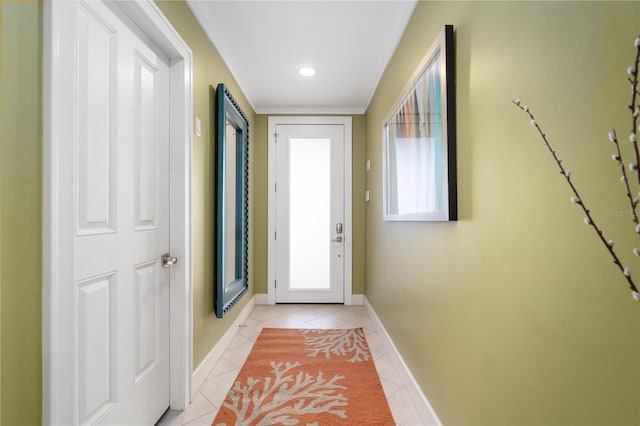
x=1 y=127
x=260 y=167
x=20 y=214
x=359 y=149
x=260 y=202
x=208 y=70
x=514 y=314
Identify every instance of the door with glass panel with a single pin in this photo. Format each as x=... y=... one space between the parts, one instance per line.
x=310 y=231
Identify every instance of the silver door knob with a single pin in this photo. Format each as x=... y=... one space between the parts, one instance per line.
x=168 y=261
x=338 y=239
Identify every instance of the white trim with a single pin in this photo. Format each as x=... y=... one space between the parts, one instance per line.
x=348 y=197
x=50 y=239
x=262 y=299
x=357 y=299
x=271 y=214
x=418 y=398
x=351 y=110
x=348 y=211
x=211 y=359
x=56 y=247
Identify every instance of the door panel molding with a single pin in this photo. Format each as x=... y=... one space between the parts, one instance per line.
x=348 y=196
x=58 y=227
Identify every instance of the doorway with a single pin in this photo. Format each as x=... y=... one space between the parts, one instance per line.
x=115 y=152
x=310 y=210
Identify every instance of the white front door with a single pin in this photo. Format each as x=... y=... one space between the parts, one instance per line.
x=310 y=213
x=114 y=307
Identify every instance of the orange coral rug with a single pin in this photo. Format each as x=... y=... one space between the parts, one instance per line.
x=307 y=377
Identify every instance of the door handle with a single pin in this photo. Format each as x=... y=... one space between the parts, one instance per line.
x=168 y=261
x=338 y=239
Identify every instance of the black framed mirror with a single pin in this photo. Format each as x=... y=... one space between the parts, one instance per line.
x=419 y=137
x=232 y=199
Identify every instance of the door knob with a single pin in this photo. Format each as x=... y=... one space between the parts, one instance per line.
x=168 y=261
x=338 y=239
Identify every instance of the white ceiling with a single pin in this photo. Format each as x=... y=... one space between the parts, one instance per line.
x=264 y=43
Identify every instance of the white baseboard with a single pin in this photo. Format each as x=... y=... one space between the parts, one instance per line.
x=262 y=299
x=420 y=401
x=357 y=299
x=204 y=368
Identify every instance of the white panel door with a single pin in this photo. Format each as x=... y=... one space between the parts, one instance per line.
x=117 y=327
x=310 y=229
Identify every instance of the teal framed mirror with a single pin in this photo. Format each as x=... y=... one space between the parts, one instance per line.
x=232 y=199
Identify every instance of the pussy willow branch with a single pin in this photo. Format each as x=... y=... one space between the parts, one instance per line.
x=625 y=179
x=633 y=105
x=567 y=177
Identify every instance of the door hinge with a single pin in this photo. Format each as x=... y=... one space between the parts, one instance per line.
x=275 y=186
x=275 y=283
x=275 y=235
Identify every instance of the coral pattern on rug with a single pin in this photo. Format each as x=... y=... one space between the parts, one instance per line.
x=307 y=377
x=281 y=397
x=339 y=342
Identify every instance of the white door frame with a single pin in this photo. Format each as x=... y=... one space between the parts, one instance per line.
x=57 y=236
x=348 y=200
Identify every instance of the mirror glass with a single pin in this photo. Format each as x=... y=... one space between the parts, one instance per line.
x=232 y=191
x=416 y=155
x=230 y=205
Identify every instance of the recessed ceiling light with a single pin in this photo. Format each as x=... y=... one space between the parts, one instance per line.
x=307 y=71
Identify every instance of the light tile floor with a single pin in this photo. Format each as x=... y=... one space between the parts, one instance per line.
x=206 y=402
